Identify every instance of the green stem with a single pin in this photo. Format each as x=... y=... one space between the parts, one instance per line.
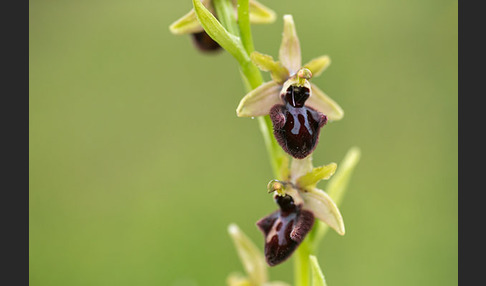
x=301 y=265
x=252 y=75
x=226 y=15
x=244 y=25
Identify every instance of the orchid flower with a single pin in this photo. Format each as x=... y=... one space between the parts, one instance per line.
x=300 y=202
x=298 y=108
x=188 y=24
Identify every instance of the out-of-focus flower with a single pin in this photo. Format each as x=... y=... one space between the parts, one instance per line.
x=298 y=108
x=300 y=202
x=188 y=24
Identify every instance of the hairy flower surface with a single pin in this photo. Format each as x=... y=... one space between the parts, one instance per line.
x=300 y=202
x=298 y=108
x=188 y=24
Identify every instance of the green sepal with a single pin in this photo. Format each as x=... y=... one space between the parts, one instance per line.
x=259 y=101
x=324 y=208
x=324 y=104
x=336 y=188
x=289 y=53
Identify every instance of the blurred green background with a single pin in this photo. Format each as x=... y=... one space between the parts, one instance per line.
x=138 y=162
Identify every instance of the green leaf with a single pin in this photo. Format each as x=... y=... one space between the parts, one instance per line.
x=217 y=32
x=317 y=276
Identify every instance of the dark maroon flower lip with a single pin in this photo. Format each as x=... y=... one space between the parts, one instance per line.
x=284 y=229
x=205 y=43
x=296 y=127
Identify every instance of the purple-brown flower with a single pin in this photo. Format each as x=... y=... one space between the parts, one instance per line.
x=298 y=108
x=300 y=202
x=285 y=229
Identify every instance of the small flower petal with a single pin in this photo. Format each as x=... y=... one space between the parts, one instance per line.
x=318 y=65
x=323 y=208
x=289 y=53
x=259 y=101
x=187 y=24
x=260 y=14
x=317 y=174
x=251 y=257
x=266 y=63
x=324 y=104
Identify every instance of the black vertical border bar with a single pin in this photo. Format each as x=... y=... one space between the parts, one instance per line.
x=15 y=142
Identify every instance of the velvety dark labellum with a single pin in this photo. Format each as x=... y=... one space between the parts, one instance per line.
x=205 y=43
x=284 y=229
x=296 y=126
x=296 y=95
